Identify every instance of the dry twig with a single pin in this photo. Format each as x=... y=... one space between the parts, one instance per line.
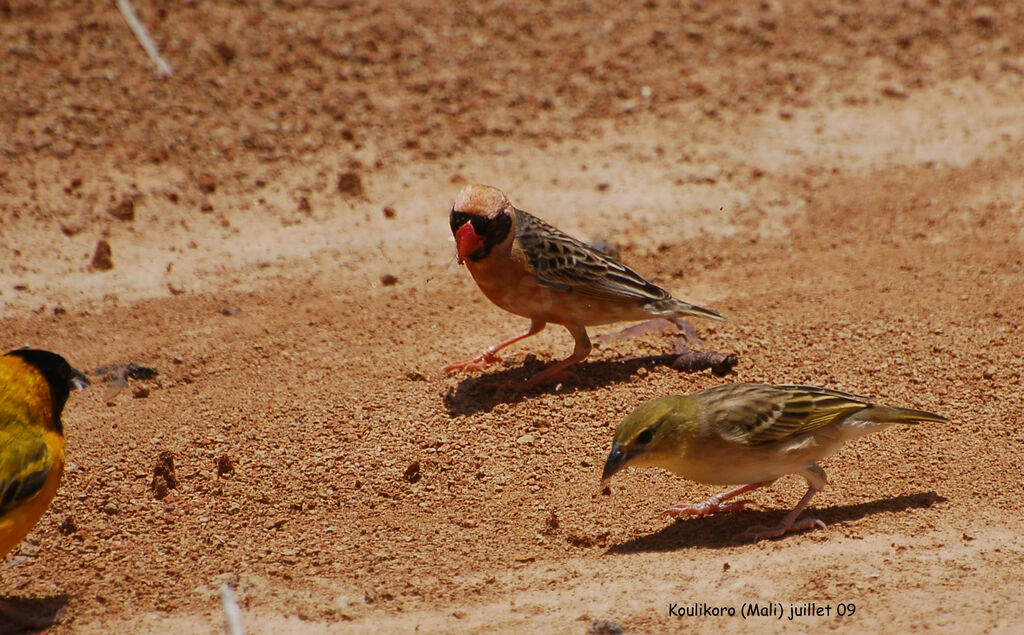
x=232 y=614
x=162 y=67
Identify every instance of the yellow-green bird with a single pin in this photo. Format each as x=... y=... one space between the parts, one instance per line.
x=34 y=386
x=750 y=434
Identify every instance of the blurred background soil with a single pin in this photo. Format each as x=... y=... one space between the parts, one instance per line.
x=842 y=180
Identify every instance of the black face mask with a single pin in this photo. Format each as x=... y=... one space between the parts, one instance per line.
x=492 y=230
x=480 y=223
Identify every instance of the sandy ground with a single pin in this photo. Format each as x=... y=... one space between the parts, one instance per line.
x=843 y=181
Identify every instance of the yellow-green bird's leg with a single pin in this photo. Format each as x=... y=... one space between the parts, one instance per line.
x=716 y=504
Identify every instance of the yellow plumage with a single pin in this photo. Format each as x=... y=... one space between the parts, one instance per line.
x=34 y=386
x=31 y=449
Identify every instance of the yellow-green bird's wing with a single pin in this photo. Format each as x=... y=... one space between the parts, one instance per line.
x=25 y=462
x=753 y=414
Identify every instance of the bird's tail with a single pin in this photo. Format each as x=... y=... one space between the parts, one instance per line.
x=886 y=415
x=677 y=308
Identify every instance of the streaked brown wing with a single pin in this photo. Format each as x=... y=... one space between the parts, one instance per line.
x=563 y=262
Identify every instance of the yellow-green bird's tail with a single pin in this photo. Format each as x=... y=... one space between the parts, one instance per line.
x=887 y=415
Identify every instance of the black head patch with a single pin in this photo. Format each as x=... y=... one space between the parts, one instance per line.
x=59 y=374
x=494 y=230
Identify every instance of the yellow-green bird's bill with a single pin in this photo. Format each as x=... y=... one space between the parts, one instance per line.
x=749 y=435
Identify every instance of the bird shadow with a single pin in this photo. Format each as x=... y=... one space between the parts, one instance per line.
x=31 y=614
x=721 y=530
x=474 y=395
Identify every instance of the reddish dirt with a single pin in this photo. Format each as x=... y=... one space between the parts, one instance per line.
x=842 y=180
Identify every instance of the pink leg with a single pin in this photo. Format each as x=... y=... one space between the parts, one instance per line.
x=555 y=371
x=714 y=504
x=788 y=524
x=489 y=356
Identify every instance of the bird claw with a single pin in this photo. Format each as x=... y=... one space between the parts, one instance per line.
x=758 y=532
x=711 y=506
x=479 y=362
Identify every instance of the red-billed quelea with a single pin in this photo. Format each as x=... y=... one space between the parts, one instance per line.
x=527 y=267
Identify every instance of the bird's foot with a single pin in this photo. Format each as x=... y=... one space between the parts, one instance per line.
x=713 y=505
x=479 y=362
x=759 y=532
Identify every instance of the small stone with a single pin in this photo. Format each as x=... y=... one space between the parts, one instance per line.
x=389 y=212
x=102 y=259
x=139 y=391
x=110 y=509
x=207 y=183
x=67 y=526
x=989 y=373
x=984 y=16
x=125 y=210
x=350 y=183
x=387 y=280
x=163 y=475
x=526 y=439
x=896 y=91
x=224 y=466
x=605 y=627
x=412 y=473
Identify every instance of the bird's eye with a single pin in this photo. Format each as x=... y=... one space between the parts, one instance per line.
x=645 y=437
x=458 y=219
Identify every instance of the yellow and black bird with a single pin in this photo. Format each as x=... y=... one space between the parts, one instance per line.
x=34 y=386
